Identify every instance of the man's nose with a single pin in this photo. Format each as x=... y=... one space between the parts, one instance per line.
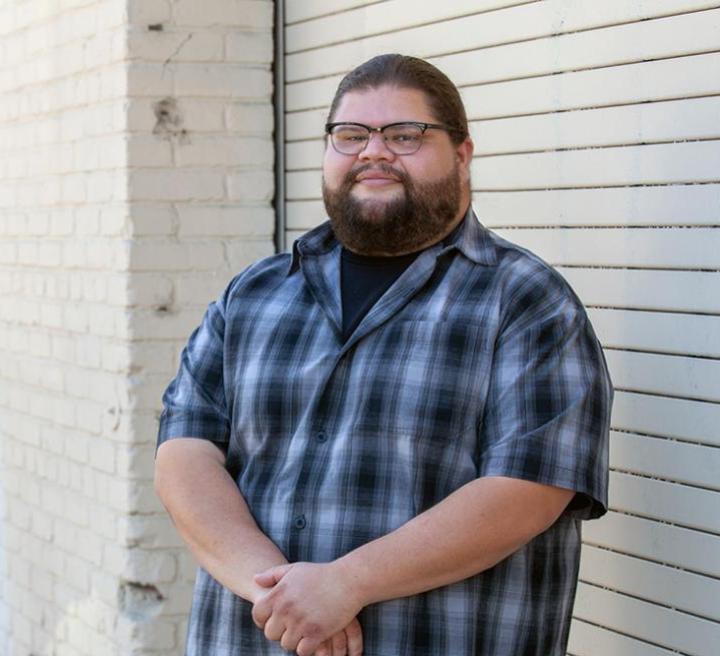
x=376 y=148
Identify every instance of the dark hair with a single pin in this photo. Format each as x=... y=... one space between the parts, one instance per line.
x=412 y=73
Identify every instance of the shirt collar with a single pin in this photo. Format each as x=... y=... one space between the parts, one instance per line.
x=470 y=237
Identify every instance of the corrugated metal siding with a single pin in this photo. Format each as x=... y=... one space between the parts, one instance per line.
x=597 y=133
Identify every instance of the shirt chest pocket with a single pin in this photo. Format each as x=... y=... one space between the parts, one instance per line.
x=429 y=378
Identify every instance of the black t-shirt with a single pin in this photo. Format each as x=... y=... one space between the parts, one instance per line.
x=363 y=280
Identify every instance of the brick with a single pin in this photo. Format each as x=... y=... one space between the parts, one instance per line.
x=115 y=357
x=249 y=186
x=222 y=80
x=249 y=118
x=42 y=584
x=250 y=47
x=195 y=114
x=196 y=185
x=136 y=462
x=240 y=13
x=199 y=290
x=226 y=151
x=152 y=355
x=176 y=45
x=242 y=253
x=148 y=12
x=104 y=586
x=146 y=324
x=142 y=499
x=150 y=531
x=148 y=566
x=146 y=150
x=102 y=455
x=149 y=79
x=149 y=220
x=149 y=289
x=163 y=256
x=113 y=221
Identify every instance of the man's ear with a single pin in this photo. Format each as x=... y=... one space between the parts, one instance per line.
x=464 y=154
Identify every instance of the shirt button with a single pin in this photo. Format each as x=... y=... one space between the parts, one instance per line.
x=299 y=522
x=321 y=436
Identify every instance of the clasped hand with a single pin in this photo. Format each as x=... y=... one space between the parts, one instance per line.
x=309 y=608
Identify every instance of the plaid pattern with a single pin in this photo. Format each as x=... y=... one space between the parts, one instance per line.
x=478 y=361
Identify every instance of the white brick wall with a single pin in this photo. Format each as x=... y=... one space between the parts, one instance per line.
x=137 y=168
x=199 y=119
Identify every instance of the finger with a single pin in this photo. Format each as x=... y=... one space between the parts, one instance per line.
x=325 y=649
x=261 y=612
x=274 y=628
x=307 y=646
x=289 y=640
x=271 y=576
x=353 y=632
x=339 y=644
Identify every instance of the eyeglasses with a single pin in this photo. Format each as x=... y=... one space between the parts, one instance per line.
x=400 y=138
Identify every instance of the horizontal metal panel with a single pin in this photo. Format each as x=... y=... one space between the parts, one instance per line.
x=302 y=10
x=630 y=165
x=695 y=421
x=666 y=248
x=590 y=640
x=613 y=85
x=674 y=375
x=669 y=586
x=490 y=53
x=675 y=120
x=304 y=214
x=680 y=291
x=680 y=334
x=614 y=206
x=391 y=15
x=690 y=507
x=680 y=462
x=661 y=542
x=662 y=626
x=531 y=20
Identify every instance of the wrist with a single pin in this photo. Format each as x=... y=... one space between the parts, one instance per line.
x=353 y=572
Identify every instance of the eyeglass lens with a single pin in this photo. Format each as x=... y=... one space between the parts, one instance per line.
x=401 y=139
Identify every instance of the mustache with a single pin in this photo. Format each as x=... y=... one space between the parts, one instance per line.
x=352 y=174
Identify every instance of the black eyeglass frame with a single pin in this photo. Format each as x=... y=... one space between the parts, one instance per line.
x=423 y=127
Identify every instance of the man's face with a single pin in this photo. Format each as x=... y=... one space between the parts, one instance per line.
x=380 y=203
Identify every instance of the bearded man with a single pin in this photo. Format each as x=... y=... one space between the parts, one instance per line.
x=384 y=442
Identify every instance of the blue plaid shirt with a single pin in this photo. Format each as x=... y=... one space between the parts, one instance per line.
x=478 y=361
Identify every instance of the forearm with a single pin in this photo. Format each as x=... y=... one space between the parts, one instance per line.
x=211 y=515
x=468 y=532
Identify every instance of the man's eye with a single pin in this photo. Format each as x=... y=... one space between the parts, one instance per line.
x=405 y=138
x=350 y=136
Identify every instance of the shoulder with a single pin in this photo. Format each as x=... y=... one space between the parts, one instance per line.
x=530 y=289
x=260 y=278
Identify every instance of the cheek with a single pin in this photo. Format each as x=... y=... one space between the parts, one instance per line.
x=335 y=167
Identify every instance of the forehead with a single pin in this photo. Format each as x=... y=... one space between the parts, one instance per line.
x=382 y=105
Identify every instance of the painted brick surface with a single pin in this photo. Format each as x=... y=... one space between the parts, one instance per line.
x=136 y=166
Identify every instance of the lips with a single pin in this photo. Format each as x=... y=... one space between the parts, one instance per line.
x=376 y=178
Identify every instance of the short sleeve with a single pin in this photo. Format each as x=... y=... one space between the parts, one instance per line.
x=194 y=403
x=547 y=416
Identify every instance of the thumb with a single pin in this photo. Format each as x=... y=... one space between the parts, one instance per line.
x=270 y=577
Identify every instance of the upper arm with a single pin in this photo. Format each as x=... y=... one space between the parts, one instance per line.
x=547 y=415
x=184 y=458
x=194 y=403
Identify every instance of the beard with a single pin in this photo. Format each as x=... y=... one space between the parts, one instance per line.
x=421 y=216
